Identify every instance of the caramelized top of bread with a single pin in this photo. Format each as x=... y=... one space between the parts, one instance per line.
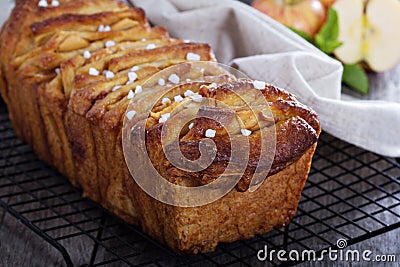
x=295 y=126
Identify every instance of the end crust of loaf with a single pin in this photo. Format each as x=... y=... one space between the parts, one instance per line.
x=236 y=216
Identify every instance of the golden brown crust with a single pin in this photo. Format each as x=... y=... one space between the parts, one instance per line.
x=84 y=97
x=16 y=39
x=296 y=128
x=73 y=119
x=238 y=215
x=90 y=22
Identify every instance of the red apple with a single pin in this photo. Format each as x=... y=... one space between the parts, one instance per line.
x=304 y=15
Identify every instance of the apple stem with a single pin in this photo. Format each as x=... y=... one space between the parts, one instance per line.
x=291 y=2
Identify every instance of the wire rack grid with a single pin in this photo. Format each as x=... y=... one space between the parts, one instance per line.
x=351 y=194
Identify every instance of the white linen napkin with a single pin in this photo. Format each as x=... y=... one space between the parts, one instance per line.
x=6 y=6
x=268 y=51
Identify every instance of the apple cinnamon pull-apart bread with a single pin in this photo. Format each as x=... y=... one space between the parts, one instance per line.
x=74 y=75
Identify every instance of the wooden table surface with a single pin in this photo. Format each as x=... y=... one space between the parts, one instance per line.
x=19 y=246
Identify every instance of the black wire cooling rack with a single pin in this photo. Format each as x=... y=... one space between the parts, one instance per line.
x=351 y=194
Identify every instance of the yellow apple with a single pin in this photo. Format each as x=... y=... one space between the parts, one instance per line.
x=369 y=32
x=304 y=15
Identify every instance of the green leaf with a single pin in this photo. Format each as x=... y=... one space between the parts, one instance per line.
x=326 y=38
x=355 y=77
x=302 y=34
x=327 y=46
